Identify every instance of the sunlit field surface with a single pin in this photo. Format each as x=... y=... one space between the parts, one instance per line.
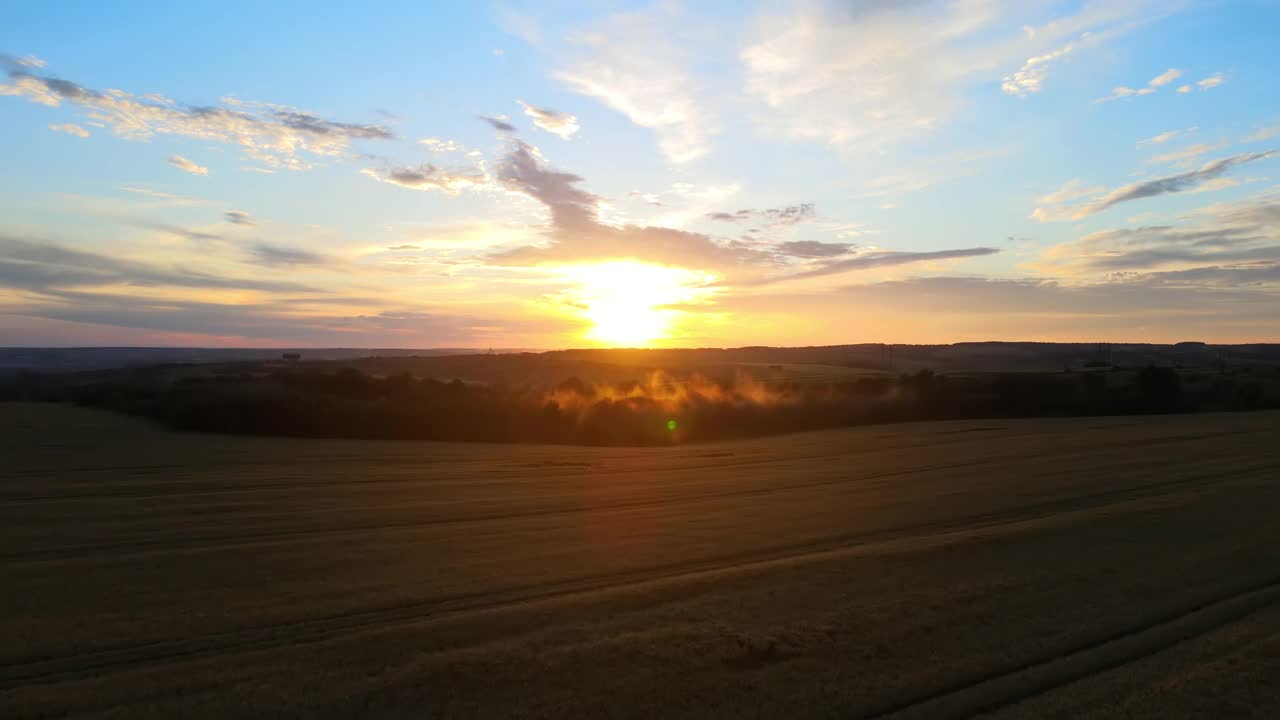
x=1049 y=568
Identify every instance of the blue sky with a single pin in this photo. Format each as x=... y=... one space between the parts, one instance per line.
x=569 y=174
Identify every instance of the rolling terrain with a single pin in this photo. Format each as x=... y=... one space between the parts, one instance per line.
x=1058 y=567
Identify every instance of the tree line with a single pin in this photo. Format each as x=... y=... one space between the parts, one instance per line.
x=351 y=404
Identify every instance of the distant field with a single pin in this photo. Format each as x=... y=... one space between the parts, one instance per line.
x=806 y=372
x=1082 y=567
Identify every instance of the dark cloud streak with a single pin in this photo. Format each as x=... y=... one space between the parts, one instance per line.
x=48 y=268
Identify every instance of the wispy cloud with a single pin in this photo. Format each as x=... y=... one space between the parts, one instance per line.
x=1262 y=134
x=1165 y=77
x=272 y=134
x=436 y=145
x=501 y=123
x=70 y=129
x=1031 y=76
x=814 y=249
x=1166 y=136
x=33 y=265
x=1181 y=182
x=631 y=64
x=1154 y=84
x=771 y=217
x=577 y=234
x=175 y=230
x=873 y=259
x=164 y=199
x=188 y=166
x=1191 y=152
x=1207 y=83
x=1238 y=239
x=554 y=122
x=429 y=177
x=1124 y=91
x=1073 y=189
x=870 y=74
x=1211 y=82
x=276 y=255
x=239 y=217
x=29 y=61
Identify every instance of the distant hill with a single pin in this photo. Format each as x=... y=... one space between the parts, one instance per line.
x=72 y=359
x=509 y=365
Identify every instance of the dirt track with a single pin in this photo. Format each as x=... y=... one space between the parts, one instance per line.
x=1042 y=567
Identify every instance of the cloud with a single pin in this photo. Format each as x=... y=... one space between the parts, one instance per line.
x=404 y=247
x=1153 y=84
x=275 y=255
x=871 y=74
x=1207 y=83
x=771 y=217
x=273 y=134
x=1165 y=136
x=789 y=215
x=1226 y=236
x=177 y=231
x=1213 y=276
x=648 y=198
x=238 y=217
x=954 y=309
x=1262 y=134
x=186 y=165
x=70 y=129
x=46 y=267
x=1181 y=182
x=428 y=177
x=1030 y=78
x=633 y=64
x=814 y=249
x=872 y=259
x=1165 y=77
x=436 y=145
x=312 y=322
x=160 y=199
x=1124 y=91
x=152 y=193
x=1211 y=82
x=10 y=63
x=1187 y=153
x=576 y=233
x=556 y=123
x=499 y=123
x=1071 y=190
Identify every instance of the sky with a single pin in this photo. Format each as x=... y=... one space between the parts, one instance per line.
x=550 y=175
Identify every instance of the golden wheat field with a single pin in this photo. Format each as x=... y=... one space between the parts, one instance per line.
x=1087 y=567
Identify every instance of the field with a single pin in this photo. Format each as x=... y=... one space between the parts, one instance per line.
x=1056 y=567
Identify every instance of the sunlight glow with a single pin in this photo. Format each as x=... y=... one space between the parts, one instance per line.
x=629 y=303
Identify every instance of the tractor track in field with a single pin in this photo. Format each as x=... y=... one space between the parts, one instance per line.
x=1040 y=675
x=241 y=540
x=90 y=664
x=203 y=543
x=213 y=488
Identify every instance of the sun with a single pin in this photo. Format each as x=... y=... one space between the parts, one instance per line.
x=628 y=304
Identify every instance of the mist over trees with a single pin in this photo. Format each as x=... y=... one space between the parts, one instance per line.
x=662 y=409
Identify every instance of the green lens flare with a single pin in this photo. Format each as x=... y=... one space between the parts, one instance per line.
x=671 y=425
